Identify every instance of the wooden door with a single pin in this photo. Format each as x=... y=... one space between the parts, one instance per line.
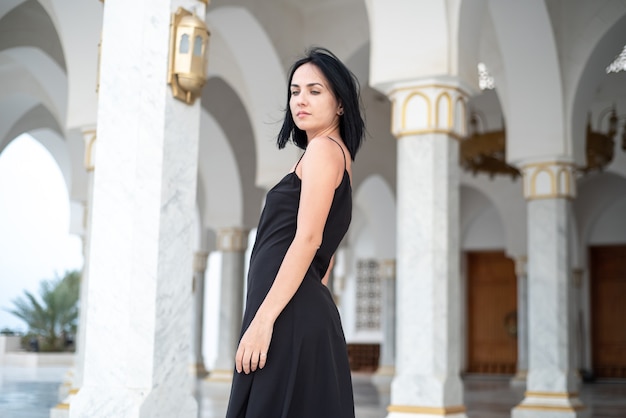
x=608 y=310
x=492 y=313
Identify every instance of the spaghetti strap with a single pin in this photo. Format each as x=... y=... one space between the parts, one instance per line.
x=299 y=159
x=345 y=166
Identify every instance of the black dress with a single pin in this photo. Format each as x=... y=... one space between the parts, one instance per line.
x=307 y=374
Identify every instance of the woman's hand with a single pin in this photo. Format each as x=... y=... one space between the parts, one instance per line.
x=253 y=347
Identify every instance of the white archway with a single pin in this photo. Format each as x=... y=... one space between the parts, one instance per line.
x=220 y=199
x=377 y=205
x=32 y=79
x=523 y=55
x=254 y=71
x=481 y=224
x=79 y=39
x=507 y=197
x=596 y=195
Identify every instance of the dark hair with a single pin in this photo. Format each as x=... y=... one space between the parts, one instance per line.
x=344 y=86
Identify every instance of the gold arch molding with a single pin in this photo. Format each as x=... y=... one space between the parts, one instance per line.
x=444 y=110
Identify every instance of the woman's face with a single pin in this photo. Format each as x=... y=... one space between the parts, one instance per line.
x=313 y=105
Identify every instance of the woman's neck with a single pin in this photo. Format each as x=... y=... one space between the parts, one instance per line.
x=332 y=132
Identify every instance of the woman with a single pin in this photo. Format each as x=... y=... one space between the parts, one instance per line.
x=292 y=360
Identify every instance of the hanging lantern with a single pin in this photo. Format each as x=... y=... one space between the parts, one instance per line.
x=189 y=41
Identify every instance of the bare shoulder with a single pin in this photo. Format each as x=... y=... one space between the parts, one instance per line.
x=322 y=162
x=326 y=149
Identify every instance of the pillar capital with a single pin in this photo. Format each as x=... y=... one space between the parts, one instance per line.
x=577 y=277
x=521 y=265
x=232 y=239
x=200 y=261
x=89 y=136
x=549 y=180
x=428 y=106
x=387 y=269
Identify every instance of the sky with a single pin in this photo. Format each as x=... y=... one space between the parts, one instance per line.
x=35 y=243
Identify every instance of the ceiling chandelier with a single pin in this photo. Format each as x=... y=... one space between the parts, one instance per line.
x=485 y=152
x=600 y=145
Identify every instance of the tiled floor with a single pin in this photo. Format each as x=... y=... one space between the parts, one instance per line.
x=485 y=397
x=29 y=393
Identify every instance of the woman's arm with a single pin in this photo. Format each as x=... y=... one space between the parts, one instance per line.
x=322 y=169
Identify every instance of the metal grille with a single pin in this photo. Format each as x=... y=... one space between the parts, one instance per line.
x=368 y=296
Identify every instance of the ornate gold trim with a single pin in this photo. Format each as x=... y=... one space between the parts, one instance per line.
x=446 y=95
x=429 y=86
x=232 y=239
x=577 y=276
x=551 y=394
x=521 y=269
x=560 y=176
x=90 y=140
x=547 y=163
x=409 y=409
x=74 y=391
x=463 y=113
x=429 y=131
x=550 y=196
x=200 y=370
x=429 y=110
x=386 y=370
x=388 y=269
x=200 y=259
x=552 y=408
x=434 y=100
x=220 y=375
x=533 y=179
x=62 y=406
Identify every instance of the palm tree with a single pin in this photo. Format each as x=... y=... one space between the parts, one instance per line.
x=56 y=316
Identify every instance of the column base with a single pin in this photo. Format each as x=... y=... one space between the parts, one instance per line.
x=62 y=409
x=110 y=401
x=519 y=380
x=382 y=381
x=200 y=371
x=551 y=405
x=408 y=411
x=218 y=375
x=385 y=371
x=384 y=376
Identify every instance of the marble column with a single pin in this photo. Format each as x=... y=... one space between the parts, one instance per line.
x=552 y=384
x=232 y=243
x=199 y=271
x=577 y=318
x=61 y=410
x=138 y=324
x=428 y=118
x=386 y=369
x=388 y=349
x=522 y=321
